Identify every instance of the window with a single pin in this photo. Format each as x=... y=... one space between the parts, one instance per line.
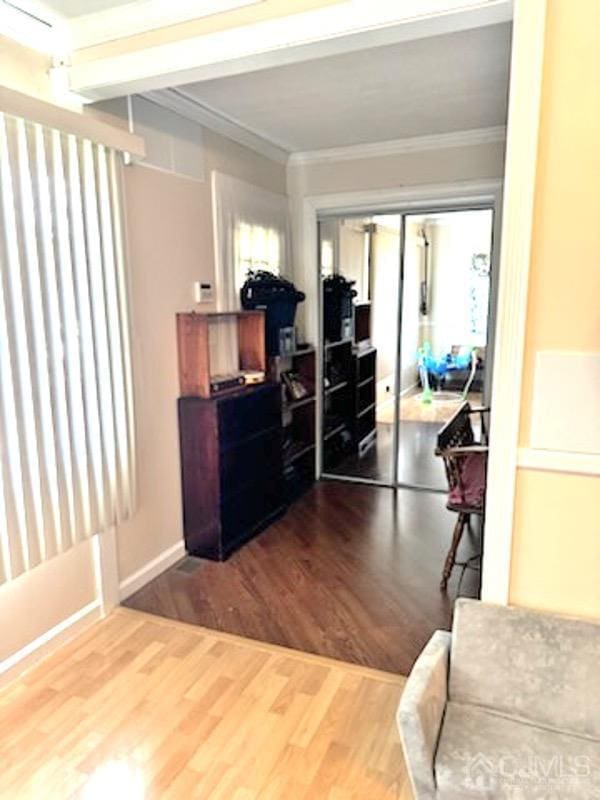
x=326 y=257
x=250 y=232
x=479 y=298
x=66 y=406
x=257 y=248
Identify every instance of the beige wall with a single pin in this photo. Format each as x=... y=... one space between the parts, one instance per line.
x=36 y=601
x=556 y=545
x=384 y=311
x=352 y=255
x=169 y=230
x=24 y=70
x=475 y=162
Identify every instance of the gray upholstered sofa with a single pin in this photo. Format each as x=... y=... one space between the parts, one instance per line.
x=507 y=706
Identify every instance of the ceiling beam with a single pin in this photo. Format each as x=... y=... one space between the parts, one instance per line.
x=137 y=17
x=331 y=30
x=17 y=104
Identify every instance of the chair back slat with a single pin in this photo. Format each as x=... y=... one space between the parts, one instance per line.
x=457 y=432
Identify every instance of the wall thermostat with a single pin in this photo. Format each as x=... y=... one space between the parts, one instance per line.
x=203 y=292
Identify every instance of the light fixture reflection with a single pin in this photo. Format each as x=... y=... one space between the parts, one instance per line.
x=117 y=779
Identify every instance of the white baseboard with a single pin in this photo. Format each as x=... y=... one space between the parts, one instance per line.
x=150 y=570
x=25 y=658
x=409 y=389
x=390 y=398
x=57 y=636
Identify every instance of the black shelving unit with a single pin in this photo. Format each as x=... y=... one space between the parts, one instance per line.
x=365 y=386
x=338 y=401
x=298 y=419
x=349 y=392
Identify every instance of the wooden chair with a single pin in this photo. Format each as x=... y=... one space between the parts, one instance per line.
x=465 y=463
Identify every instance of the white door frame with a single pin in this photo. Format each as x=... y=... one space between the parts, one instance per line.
x=514 y=218
x=527 y=58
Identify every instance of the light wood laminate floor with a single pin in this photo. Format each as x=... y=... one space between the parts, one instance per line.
x=139 y=707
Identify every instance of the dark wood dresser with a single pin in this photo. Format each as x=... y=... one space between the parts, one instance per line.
x=231 y=466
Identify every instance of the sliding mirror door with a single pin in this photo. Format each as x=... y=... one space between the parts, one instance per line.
x=445 y=321
x=360 y=275
x=405 y=304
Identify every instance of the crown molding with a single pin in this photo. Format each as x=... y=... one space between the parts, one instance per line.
x=185 y=105
x=394 y=147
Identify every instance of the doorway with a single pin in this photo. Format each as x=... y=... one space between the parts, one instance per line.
x=407 y=317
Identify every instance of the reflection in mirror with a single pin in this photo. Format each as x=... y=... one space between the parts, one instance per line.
x=360 y=267
x=445 y=304
x=445 y=298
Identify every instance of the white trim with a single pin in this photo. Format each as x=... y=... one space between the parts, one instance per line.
x=531 y=458
x=106 y=568
x=150 y=570
x=409 y=389
x=400 y=198
x=515 y=253
x=317 y=33
x=139 y=16
x=394 y=147
x=143 y=164
x=186 y=106
x=49 y=641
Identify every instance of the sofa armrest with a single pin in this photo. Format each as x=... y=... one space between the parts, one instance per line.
x=420 y=713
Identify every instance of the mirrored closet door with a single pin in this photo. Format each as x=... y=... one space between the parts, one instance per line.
x=360 y=275
x=405 y=318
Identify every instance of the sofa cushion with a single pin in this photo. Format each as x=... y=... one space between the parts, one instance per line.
x=523 y=663
x=487 y=756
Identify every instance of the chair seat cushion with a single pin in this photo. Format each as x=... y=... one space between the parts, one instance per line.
x=492 y=757
x=470 y=494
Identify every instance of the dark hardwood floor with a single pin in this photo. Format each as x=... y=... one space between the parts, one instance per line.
x=351 y=572
x=417 y=463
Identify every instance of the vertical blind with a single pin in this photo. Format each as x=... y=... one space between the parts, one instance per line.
x=67 y=466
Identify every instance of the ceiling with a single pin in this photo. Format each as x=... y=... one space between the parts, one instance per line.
x=78 y=8
x=441 y=84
